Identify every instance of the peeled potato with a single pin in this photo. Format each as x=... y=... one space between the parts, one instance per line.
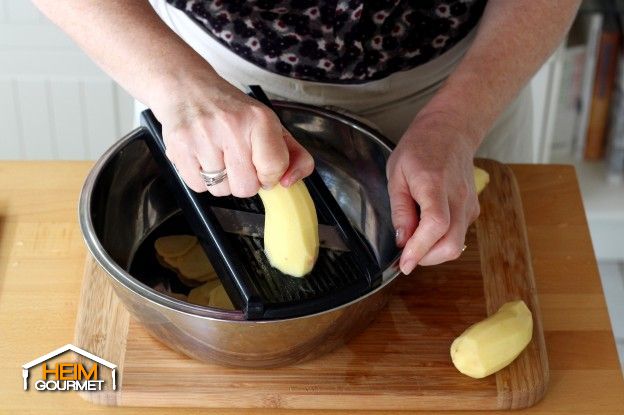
x=481 y=178
x=490 y=345
x=220 y=299
x=291 y=240
x=174 y=245
x=201 y=295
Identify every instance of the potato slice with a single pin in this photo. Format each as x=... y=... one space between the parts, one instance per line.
x=490 y=345
x=291 y=239
x=201 y=294
x=192 y=267
x=220 y=299
x=209 y=276
x=195 y=265
x=174 y=245
x=481 y=178
x=168 y=261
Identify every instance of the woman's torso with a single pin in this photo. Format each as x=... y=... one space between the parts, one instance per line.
x=336 y=41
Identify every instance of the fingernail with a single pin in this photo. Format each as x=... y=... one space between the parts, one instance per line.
x=398 y=236
x=408 y=266
x=266 y=186
x=294 y=176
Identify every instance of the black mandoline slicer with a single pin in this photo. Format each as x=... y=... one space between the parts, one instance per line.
x=259 y=290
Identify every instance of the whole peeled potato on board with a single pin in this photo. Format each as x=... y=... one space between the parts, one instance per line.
x=491 y=344
x=481 y=178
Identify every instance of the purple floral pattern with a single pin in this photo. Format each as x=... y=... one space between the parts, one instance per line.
x=336 y=41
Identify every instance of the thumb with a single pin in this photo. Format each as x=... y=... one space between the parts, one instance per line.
x=404 y=211
x=301 y=162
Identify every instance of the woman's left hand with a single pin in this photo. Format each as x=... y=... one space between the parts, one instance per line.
x=432 y=168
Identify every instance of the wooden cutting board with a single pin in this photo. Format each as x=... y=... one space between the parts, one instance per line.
x=400 y=362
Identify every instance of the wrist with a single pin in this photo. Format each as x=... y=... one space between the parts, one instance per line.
x=467 y=104
x=181 y=85
x=448 y=127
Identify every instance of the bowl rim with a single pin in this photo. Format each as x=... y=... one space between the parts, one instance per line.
x=119 y=275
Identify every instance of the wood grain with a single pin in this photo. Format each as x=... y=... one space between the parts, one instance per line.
x=107 y=326
x=400 y=362
x=508 y=275
x=42 y=266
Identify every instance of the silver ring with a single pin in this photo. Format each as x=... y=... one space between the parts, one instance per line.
x=212 y=178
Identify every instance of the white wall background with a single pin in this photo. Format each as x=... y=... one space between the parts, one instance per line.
x=54 y=102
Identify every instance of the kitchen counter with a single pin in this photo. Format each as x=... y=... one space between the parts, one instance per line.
x=42 y=257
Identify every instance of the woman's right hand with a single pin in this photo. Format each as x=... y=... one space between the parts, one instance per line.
x=209 y=124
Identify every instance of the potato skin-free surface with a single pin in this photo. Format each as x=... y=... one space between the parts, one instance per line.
x=291 y=240
x=491 y=344
x=481 y=178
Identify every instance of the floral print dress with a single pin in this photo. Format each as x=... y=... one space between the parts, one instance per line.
x=336 y=41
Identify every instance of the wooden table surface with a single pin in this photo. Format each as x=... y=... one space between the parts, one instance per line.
x=42 y=257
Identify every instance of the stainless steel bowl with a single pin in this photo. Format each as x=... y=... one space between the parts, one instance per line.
x=124 y=199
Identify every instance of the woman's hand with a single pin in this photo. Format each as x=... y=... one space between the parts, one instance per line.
x=432 y=192
x=210 y=125
x=207 y=123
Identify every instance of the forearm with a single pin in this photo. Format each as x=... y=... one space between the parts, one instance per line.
x=513 y=40
x=129 y=42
